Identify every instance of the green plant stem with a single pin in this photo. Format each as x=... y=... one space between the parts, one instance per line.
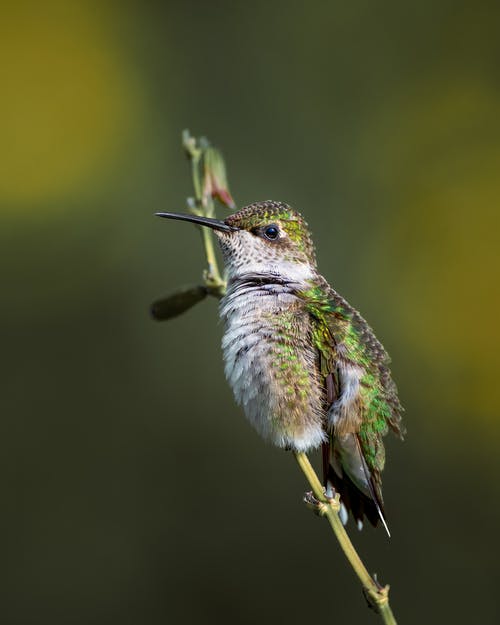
x=377 y=595
x=204 y=206
x=213 y=279
x=195 y=160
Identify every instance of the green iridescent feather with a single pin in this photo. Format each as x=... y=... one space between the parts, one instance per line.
x=340 y=332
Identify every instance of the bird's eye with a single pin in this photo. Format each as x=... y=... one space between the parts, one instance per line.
x=271 y=233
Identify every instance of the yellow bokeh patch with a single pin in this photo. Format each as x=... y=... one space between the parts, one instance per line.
x=68 y=101
x=436 y=154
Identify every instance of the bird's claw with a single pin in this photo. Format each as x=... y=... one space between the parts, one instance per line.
x=319 y=507
x=311 y=502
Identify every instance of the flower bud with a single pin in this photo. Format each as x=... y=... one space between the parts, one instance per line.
x=214 y=177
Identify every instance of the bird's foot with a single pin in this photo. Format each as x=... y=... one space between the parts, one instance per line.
x=320 y=507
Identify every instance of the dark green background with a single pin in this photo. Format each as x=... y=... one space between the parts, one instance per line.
x=133 y=490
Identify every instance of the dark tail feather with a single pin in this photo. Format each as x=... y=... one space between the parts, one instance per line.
x=355 y=501
x=375 y=493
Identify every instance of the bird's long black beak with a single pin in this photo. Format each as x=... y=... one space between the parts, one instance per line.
x=215 y=224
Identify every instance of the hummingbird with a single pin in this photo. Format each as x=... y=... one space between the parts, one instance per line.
x=303 y=364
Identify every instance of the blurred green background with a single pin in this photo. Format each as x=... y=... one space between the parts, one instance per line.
x=133 y=489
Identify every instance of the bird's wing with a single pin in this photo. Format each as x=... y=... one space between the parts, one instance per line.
x=361 y=400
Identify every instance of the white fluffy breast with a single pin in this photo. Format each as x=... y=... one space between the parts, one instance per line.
x=263 y=333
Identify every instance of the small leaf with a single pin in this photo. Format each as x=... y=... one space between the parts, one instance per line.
x=177 y=303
